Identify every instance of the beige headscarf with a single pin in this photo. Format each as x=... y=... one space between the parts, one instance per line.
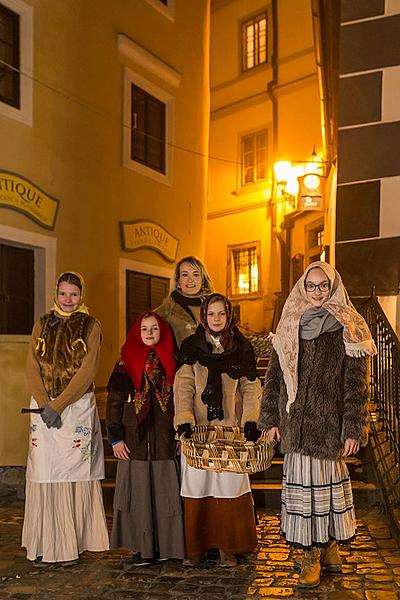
x=81 y=308
x=356 y=334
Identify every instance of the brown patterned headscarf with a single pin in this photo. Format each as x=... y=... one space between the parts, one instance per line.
x=356 y=334
x=225 y=335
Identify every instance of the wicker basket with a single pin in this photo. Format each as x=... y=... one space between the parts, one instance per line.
x=225 y=449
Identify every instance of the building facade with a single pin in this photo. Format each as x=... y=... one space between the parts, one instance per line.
x=368 y=211
x=265 y=108
x=104 y=111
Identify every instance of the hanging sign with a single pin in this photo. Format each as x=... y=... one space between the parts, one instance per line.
x=22 y=195
x=311 y=192
x=146 y=234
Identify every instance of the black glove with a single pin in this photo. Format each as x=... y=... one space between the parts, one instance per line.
x=251 y=433
x=186 y=429
x=51 y=417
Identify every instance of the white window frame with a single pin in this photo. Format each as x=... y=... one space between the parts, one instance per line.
x=45 y=254
x=131 y=77
x=254 y=133
x=24 y=114
x=255 y=18
x=230 y=270
x=168 y=10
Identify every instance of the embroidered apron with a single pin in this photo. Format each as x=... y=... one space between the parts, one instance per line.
x=72 y=453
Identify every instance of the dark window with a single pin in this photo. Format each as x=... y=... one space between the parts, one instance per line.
x=164 y=2
x=148 y=130
x=9 y=57
x=16 y=289
x=143 y=292
x=254 y=42
x=254 y=157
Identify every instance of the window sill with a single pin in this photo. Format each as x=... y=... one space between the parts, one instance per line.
x=252 y=188
x=237 y=297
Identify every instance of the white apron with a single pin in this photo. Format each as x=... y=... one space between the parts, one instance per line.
x=72 y=453
x=200 y=483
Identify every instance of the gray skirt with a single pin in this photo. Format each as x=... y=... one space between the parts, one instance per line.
x=317 y=501
x=148 y=509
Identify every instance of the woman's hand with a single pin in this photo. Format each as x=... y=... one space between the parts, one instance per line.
x=350 y=447
x=121 y=451
x=273 y=434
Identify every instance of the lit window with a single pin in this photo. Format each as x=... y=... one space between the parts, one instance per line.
x=254 y=42
x=148 y=130
x=244 y=269
x=254 y=157
x=9 y=57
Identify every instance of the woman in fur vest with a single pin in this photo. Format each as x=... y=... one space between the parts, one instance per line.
x=217 y=384
x=64 y=513
x=315 y=404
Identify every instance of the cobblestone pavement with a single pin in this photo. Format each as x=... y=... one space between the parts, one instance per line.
x=371 y=570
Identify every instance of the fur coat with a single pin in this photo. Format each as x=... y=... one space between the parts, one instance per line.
x=331 y=402
x=179 y=320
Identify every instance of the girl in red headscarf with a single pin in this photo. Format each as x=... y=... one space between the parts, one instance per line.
x=147 y=504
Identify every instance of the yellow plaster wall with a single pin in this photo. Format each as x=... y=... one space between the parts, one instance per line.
x=14 y=395
x=74 y=150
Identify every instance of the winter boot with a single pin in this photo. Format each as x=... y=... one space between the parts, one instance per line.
x=330 y=559
x=310 y=569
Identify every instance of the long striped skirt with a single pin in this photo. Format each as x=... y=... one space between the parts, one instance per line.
x=317 y=501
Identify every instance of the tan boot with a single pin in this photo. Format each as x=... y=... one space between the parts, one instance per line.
x=310 y=569
x=330 y=558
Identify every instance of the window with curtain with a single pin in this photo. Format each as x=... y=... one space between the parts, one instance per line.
x=254 y=42
x=244 y=270
x=254 y=157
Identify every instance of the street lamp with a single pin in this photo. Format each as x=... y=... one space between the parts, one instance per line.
x=283 y=177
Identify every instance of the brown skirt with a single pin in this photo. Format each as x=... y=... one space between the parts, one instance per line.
x=226 y=524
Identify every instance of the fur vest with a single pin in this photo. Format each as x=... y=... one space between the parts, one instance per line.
x=331 y=403
x=64 y=350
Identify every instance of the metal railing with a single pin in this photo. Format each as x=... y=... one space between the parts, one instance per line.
x=385 y=378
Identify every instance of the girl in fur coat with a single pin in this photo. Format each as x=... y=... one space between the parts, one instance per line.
x=217 y=383
x=315 y=404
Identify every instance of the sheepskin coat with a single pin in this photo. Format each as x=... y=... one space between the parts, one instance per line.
x=331 y=403
x=240 y=397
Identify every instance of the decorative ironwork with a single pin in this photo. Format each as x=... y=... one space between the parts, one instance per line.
x=385 y=389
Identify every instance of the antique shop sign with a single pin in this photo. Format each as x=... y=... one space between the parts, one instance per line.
x=22 y=195
x=146 y=234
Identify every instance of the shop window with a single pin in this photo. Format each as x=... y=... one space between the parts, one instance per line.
x=244 y=270
x=16 y=59
x=254 y=157
x=143 y=292
x=148 y=130
x=254 y=42
x=17 y=294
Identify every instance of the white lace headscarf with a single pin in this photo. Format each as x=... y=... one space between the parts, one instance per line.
x=356 y=334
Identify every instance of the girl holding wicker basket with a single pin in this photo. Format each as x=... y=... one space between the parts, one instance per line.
x=217 y=383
